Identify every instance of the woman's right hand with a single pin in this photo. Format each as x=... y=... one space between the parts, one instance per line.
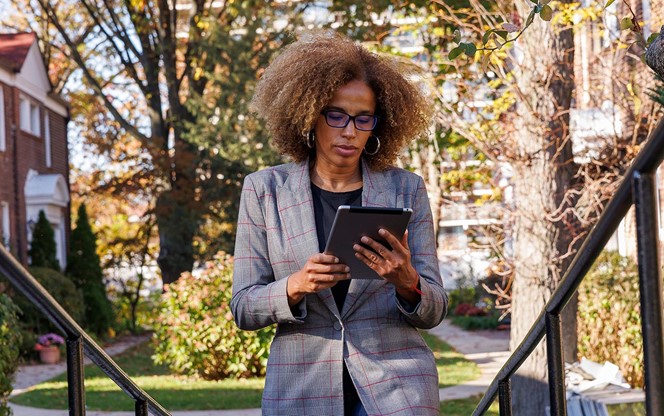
x=321 y=271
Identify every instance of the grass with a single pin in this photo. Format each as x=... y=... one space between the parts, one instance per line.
x=453 y=368
x=172 y=391
x=176 y=392
x=465 y=407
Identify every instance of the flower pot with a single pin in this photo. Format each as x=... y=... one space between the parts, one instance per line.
x=50 y=354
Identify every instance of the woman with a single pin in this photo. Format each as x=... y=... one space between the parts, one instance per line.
x=342 y=346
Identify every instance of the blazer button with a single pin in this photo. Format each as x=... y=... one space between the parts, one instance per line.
x=337 y=325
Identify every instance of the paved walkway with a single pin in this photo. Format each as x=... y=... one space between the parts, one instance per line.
x=489 y=349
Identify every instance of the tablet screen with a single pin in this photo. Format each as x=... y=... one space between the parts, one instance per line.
x=352 y=223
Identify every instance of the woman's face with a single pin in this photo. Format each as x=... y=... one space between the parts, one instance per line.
x=342 y=147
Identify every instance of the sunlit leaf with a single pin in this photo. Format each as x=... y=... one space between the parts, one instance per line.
x=608 y=3
x=652 y=38
x=509 y=27
x=454 y=53
x=626 y=23
x=547 y=13
x=485 y=37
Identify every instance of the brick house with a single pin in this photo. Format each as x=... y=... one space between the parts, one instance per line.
x=34 y=161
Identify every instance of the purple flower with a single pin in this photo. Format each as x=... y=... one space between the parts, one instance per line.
x=50 y=339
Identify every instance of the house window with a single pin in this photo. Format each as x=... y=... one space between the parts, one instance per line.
x=3 y=137
x=47 y=140
x=4 y=221
x=29 y=116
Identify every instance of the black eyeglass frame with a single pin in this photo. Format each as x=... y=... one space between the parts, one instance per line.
x=375 y=119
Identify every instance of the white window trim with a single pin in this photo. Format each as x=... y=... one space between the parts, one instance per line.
x=47 y=140
x=3 y=126
x=6 y=228
x=29 y=116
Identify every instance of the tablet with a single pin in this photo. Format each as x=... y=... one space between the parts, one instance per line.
x=352 y=223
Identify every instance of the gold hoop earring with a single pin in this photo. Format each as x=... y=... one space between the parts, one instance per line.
x=310 y=139
x=375 y=150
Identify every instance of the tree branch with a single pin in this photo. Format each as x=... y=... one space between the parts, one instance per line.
x=94 y=84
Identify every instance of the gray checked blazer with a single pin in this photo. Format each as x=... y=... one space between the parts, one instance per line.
x=375 y=332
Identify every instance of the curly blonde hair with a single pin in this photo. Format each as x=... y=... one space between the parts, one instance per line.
x=301 y=81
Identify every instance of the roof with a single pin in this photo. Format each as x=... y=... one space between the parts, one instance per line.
x=14 y=49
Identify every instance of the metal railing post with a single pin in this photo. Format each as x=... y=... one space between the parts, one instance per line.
x=75 y=375
x=141 y=408
x=650 y=287
x=556 y=369
x=505 y=397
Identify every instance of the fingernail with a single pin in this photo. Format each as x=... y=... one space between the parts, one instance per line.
x=365 y=239
x=336 y=260
x=356 y=247
x=347 y=269
x=381 y=231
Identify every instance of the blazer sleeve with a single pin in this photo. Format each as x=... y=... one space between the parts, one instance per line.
x=258 y=299
x=432 y=307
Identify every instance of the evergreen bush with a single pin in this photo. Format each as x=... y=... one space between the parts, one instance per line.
x=10 y=339
x=33 y=321
x=609 y=317
x=42 y=247
x=84 y=269
x=195 y=333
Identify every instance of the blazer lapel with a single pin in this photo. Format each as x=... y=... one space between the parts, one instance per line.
x=377 y=191
x=297 y=214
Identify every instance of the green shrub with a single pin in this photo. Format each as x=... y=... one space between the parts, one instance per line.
x=195 y=333
x=63 y=291
x=85 y=271
x=10 y=339
x=42 y=247
x=609 y=317
x=461 y=295
x=476 y=322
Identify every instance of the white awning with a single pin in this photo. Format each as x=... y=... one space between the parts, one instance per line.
x=46 y=189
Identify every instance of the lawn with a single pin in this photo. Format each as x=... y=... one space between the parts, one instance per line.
x=465 y=407
x=185 y=393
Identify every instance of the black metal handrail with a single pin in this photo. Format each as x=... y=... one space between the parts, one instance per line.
x=639 y=188
x=77 y=341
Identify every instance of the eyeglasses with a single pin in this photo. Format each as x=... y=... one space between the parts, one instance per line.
x=339 y=119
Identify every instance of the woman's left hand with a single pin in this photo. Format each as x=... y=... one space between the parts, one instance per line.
x=392 y=265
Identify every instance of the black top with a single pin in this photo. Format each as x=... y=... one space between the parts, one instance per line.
x=325 y=208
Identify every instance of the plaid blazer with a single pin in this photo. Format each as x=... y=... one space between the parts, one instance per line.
x=375 y=332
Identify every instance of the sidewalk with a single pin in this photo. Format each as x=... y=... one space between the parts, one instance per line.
x=489 y=349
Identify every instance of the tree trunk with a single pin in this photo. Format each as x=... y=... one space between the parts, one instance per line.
x=655 y=54
x=177 y=223
x=545 y=225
